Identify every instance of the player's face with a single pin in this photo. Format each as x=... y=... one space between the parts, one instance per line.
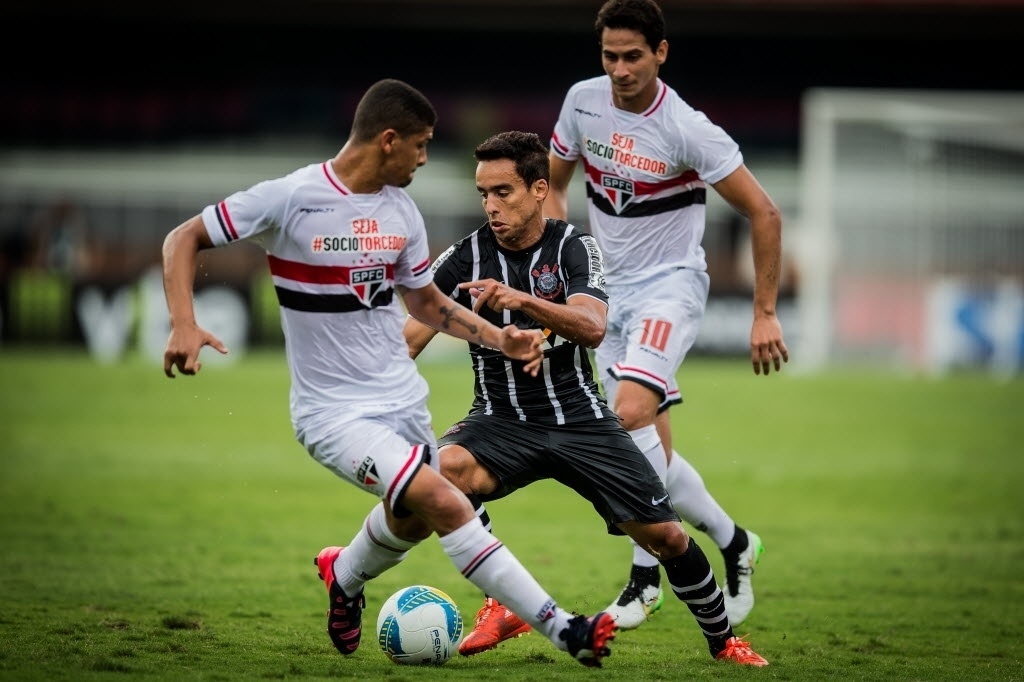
x=632 y=67
x=407 y=154
x=513 y=209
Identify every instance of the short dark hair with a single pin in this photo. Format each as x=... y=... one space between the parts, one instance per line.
x=642 y=16
x=391 y=103
x=526 y=149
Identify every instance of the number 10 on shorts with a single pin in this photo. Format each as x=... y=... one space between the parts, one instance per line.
x=656 y=334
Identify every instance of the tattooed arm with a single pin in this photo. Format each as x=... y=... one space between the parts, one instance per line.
x=433 y=308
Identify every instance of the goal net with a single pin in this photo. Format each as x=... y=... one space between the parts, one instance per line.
x=911 y=230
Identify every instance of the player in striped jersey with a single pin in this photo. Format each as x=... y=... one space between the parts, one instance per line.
x=342 y=237
x=522 y=269
x=647 y=159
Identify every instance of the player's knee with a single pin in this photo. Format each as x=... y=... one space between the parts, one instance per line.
x=457 y=466
x=460 y=467
x=637 y=407
x=437 y=502
x=666 y=540
x=633 y=416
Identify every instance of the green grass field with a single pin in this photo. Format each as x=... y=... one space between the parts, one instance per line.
x=164 y=530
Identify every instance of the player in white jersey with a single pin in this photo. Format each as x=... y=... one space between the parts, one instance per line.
x=647 y=159
x=341 y=238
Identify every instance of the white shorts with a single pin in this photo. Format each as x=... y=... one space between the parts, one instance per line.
x=380 y=454
x=651 y=327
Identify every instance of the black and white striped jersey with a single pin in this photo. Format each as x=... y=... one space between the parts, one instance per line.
x=565 y=262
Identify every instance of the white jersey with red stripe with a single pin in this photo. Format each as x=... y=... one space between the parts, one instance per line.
x=335 y=258
x=645 y=176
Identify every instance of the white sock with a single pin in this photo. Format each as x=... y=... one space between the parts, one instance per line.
x=695 y=504
x=641 y=557
x=488 y=564
x=372 y=551
x=646 y=438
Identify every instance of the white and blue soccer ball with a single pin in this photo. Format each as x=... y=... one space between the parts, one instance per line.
x=419 y=625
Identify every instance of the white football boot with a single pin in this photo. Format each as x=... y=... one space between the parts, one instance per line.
x=636 y=603
x=739 y=592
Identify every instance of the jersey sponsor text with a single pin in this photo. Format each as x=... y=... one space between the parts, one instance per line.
x=624 y=156
x=327 y=243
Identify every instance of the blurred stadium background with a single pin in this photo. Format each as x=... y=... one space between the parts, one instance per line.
x=891 y=133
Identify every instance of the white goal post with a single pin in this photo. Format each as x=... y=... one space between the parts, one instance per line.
x=911 y=229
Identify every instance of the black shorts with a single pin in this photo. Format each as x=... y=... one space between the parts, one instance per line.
x=598 y=459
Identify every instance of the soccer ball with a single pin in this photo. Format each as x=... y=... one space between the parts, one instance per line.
x=419 y=624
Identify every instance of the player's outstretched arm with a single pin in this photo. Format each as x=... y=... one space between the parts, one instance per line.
x=187 y=338
x=430 y=306
x=581 y=319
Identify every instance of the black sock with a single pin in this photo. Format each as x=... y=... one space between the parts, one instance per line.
x=481 y=511
x=645 y=575
x=739 y=542
x=693 y=582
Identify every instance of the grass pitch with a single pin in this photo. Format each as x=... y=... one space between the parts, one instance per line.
x=165 y=530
